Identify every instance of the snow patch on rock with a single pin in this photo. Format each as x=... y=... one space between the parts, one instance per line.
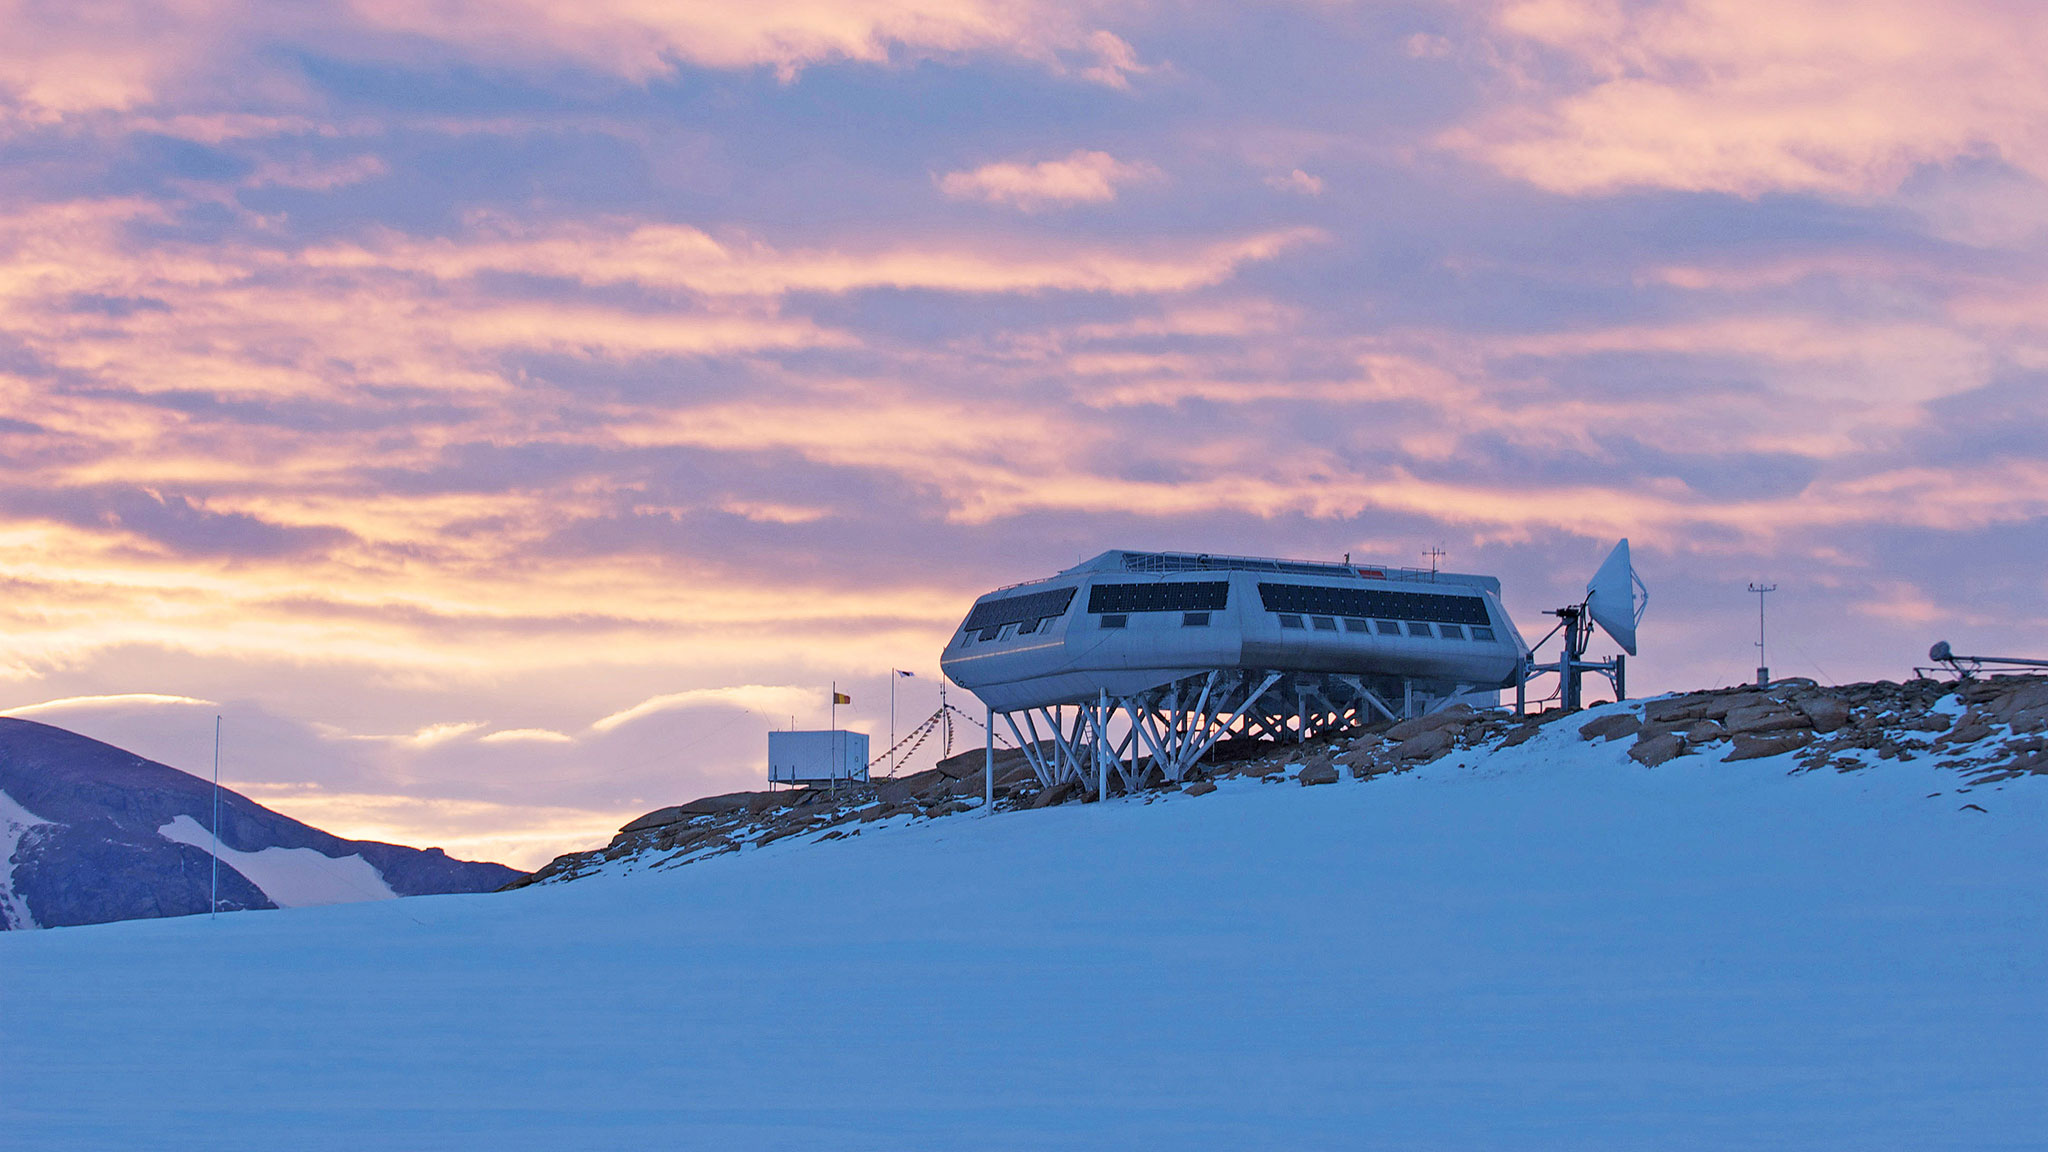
x=291 y=877
x=14 y=821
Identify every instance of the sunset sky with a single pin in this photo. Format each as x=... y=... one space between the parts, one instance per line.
x=503 y=412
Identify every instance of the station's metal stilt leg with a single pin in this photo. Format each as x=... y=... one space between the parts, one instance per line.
x=1102 y=745
x=988 y=766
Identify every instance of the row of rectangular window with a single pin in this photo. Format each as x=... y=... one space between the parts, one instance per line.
x=1005 y=631
x=1187 y=620
x=1388 y=627
x=1329 y=624
x=1287 y=620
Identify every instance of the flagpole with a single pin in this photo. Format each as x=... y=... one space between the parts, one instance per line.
x=892 y=722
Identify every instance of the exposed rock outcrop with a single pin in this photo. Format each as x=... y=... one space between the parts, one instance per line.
x=1985 y=730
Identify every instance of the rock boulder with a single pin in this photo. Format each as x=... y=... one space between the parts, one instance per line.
x=1612 y=727
x=1748 y=747
x=1657 y=749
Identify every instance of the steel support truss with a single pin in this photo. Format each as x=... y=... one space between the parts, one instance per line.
x=1163 y=732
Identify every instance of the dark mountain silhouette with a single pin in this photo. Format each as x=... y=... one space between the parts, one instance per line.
x=87 y=847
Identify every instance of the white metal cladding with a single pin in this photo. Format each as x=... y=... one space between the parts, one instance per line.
x=818 y=757
x=1126 y=623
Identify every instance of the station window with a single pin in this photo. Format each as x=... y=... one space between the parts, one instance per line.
x=1390 y=627
x=1008 y=631
x=1353 y=624
x=1027 y=627
x=1325 y=623
x=1116 y=620
x=1451 y=631
x=1194 y=620
x=1289 y=620
x=1417 y=628
x=966 y=638
x=1483 y=634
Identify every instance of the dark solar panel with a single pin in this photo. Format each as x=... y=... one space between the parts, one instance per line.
x=990 y=615
x=1311 y=599
x=1177 y=596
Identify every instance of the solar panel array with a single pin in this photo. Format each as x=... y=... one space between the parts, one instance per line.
x=1180 y=596
x=990 y=615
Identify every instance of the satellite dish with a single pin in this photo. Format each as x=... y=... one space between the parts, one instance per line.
x=1940 y=651
x=1616 y=597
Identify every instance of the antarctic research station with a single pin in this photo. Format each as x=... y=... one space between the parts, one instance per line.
x=1136 y=663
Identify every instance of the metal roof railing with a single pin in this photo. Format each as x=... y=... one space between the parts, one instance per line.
x=1208 y=562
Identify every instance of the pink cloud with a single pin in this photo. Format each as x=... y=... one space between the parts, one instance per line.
x=681 y=257
x=63 y=60
x=1080 y=178
x=1752 y=96
x=1296 y=181
x=638 y=40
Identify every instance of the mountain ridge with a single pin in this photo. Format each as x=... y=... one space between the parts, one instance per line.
x=98 y=849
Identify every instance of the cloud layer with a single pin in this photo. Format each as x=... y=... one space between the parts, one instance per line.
x=522 y=407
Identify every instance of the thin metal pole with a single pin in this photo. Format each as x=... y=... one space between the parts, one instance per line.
x=213 y=898
x=1763 y=662
x=988 y=765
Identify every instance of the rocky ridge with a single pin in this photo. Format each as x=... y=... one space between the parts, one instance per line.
x=1985 y=730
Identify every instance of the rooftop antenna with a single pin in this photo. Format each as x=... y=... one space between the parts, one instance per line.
x=213 y=899
x=1763 y=665
x=1434 y=554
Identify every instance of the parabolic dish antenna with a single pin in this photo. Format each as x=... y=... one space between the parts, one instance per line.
x=1616 y=597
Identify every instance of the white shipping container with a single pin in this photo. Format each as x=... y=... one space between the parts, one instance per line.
x=817 y=757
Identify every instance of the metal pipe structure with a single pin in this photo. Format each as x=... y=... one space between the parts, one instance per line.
x=1969 y=667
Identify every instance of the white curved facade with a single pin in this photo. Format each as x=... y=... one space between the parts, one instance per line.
x=1124 y=623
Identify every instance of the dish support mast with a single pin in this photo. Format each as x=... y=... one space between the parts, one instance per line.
x=1576 y=626
x=1615 y=600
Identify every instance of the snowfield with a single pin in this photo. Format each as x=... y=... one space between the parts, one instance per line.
x=1547 y=946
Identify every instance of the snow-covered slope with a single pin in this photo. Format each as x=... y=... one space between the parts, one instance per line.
x=1549 y=945
x=90 y=833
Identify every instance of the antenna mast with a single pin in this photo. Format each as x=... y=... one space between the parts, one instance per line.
x=1763 y=664
x=213 y=899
